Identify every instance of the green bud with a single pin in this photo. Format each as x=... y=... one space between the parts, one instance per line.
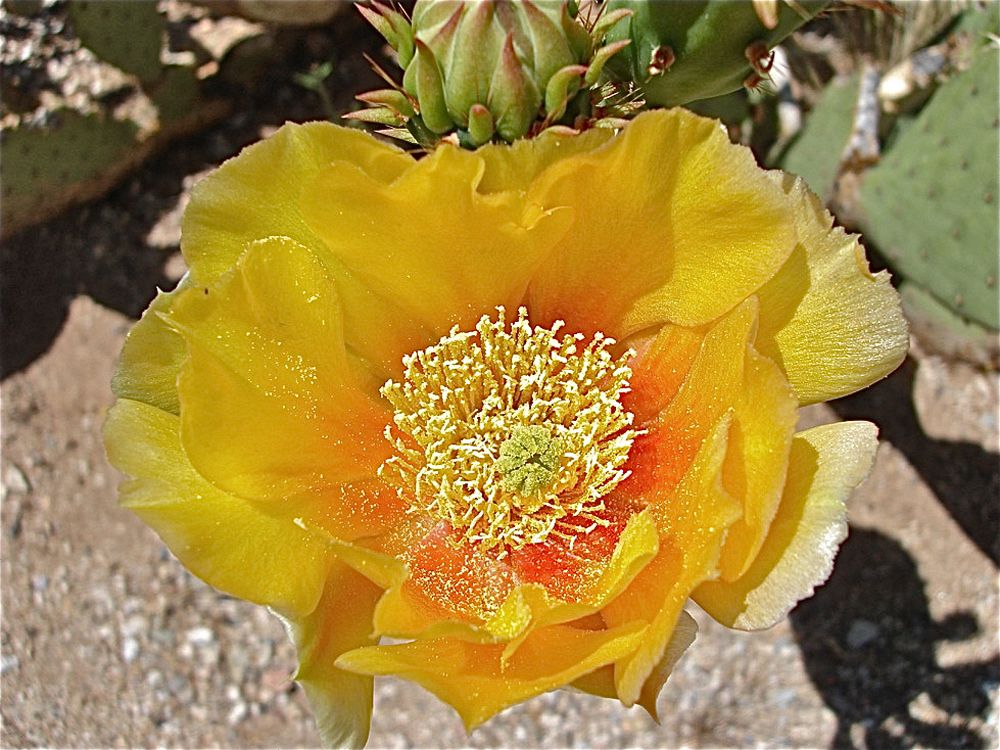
x=563 y=85
x=480 y=124
x=522 y=61
x=429 y=89
x=390 y=99
x=514 y=97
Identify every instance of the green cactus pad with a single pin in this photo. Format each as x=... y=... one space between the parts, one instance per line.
x=816 y=152
x=931 y=204
x=942 y=332
x=126 y=33
x=707 y=40
x=42 y=165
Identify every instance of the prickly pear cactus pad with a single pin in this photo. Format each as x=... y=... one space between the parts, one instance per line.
x=126 y=33
x=816 y=152
x=931 y=204
x=39 y=162
x=684 y=51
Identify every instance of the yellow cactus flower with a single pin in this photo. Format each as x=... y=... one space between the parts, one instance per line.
x=513 y=407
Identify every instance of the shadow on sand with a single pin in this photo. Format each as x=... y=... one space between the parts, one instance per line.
x=869 y=644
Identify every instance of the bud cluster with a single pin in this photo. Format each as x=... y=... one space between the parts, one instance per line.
x=487 y=70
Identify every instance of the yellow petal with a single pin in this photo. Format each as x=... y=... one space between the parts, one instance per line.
x=764 y=421
x=674 y=224
x=681 y=639
x=269 y=408
x=151 y=358
x=725 y=375
x=257 y=195
x=659 y=368
x=404 y=613
x=534 y=608
x=471 y=678
x=341 y=701
x=832 y=325
x=514 y=167
x=692 y=519
x=445 y=253
x=228 y=542
x=827 y=463
x=601 y=682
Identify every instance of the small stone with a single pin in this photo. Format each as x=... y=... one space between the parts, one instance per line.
x=200 y=636
x=9 y=662
x=133 y=626
x=39 y=582
x=130 y=650
x=237 y=713
x=861 y=633
x=14 y=480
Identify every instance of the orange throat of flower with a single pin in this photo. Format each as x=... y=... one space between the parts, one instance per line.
x=511 y=434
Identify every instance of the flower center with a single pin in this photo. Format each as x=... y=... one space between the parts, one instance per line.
x=511 y=434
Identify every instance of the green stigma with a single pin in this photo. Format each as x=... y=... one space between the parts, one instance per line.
x=529 y=460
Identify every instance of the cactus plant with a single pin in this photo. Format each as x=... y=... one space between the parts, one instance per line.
x=53 y=159
x=941 y=331
x=931 y=204
x=124 y=33
x=815 y=153
x=685 y=51
x=42 y=163
x=489 y=69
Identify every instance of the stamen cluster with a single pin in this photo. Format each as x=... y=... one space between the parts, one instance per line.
x=511 y=436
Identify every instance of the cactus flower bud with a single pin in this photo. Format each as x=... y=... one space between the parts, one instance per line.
x=491 y=69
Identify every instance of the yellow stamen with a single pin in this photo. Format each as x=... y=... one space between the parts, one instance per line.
x=511 y=436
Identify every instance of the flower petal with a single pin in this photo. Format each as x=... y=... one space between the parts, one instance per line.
x=692 y=518
x=538 y=608
x=228 y=542
x=515 y=166
x=414 y=609
x=257 y=195
x=341 y=701
x=601 y=682
x=832 y=325
x=659 y=369
x=685 y=631
x=758 y=457
x=269 y=405
x=444 y=252
x=676 y=224
x=151 y=358
x=827 y=463
x=725 y=374
x=472 y=678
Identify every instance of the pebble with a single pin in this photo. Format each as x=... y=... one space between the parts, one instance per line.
x=14 y=480
x=133 y=626
x=861 y=633
x=130 y=650
x=237 y=713
x=9 y=662
x=200 y=636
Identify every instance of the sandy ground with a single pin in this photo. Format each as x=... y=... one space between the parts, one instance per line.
x=108 y=641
